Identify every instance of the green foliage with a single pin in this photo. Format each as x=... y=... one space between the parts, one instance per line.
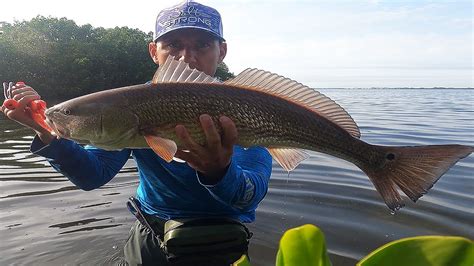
x=303 y=246
x=423 y=251
x=62 y=60
x=223 y=73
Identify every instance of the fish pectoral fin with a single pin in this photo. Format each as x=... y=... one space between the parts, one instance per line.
x=165 y=148
x=288 y=158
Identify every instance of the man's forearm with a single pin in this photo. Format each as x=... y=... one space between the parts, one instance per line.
x=86 y=168
x=45 y=136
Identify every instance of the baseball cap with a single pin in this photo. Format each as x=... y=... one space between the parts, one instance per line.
x=189 y=14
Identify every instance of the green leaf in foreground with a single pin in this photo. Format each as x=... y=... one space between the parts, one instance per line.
x=303 y=246
x=423 y=251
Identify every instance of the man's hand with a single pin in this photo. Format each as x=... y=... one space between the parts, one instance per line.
x=23 y=94
x=212 y=159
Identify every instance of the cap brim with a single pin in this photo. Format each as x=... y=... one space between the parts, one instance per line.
x=189 y=27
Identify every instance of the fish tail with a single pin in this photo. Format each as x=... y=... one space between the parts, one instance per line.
x=412 y=169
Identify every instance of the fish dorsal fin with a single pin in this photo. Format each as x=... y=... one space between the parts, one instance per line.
x=179 y=71
x=296 y=92
x=288 y=158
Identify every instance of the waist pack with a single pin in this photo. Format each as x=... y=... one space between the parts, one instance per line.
x=207 y=241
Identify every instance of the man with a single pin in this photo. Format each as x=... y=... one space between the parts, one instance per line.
x=218 y=179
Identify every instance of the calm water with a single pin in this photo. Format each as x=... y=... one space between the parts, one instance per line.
x=45 y=220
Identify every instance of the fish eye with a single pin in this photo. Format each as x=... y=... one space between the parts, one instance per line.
x=66 y=111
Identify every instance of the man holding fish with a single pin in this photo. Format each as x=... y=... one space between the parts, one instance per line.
x=219 y=179
x=186 y=113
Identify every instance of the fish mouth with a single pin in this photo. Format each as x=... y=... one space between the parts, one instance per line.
x=54 y=119
x=59 y=130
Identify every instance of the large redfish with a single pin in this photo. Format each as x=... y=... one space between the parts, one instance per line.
x=269 y=110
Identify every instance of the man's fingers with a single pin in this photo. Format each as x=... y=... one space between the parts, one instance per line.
x=188 y=142
x=230 y=132
x=20 y=93
x=213 y=138
x=19 y=89
x=19 y=85
x=26 y=98
x=191 y=158
x=185 y=156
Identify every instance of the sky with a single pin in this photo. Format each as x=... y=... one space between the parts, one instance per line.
x=323 y=44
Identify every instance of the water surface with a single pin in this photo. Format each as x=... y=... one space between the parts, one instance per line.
x=46 y=220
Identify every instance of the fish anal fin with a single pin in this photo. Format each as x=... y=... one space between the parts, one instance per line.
x=165 y=148
x=288 y=158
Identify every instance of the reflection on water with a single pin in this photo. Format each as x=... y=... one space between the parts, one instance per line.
x=48 y=221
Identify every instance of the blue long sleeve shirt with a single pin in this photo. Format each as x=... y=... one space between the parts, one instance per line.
x=168 y=190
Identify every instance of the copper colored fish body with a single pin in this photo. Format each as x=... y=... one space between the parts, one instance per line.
x=271 y=111
x=261 y=119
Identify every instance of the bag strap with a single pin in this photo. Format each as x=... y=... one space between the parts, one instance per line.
x=173 y=224
x=133 y=206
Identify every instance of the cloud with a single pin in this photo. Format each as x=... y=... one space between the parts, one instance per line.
x=421 y=39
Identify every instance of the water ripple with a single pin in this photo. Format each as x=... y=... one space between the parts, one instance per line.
x=48 y=221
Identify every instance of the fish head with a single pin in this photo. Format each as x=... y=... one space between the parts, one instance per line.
x=91 y=120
